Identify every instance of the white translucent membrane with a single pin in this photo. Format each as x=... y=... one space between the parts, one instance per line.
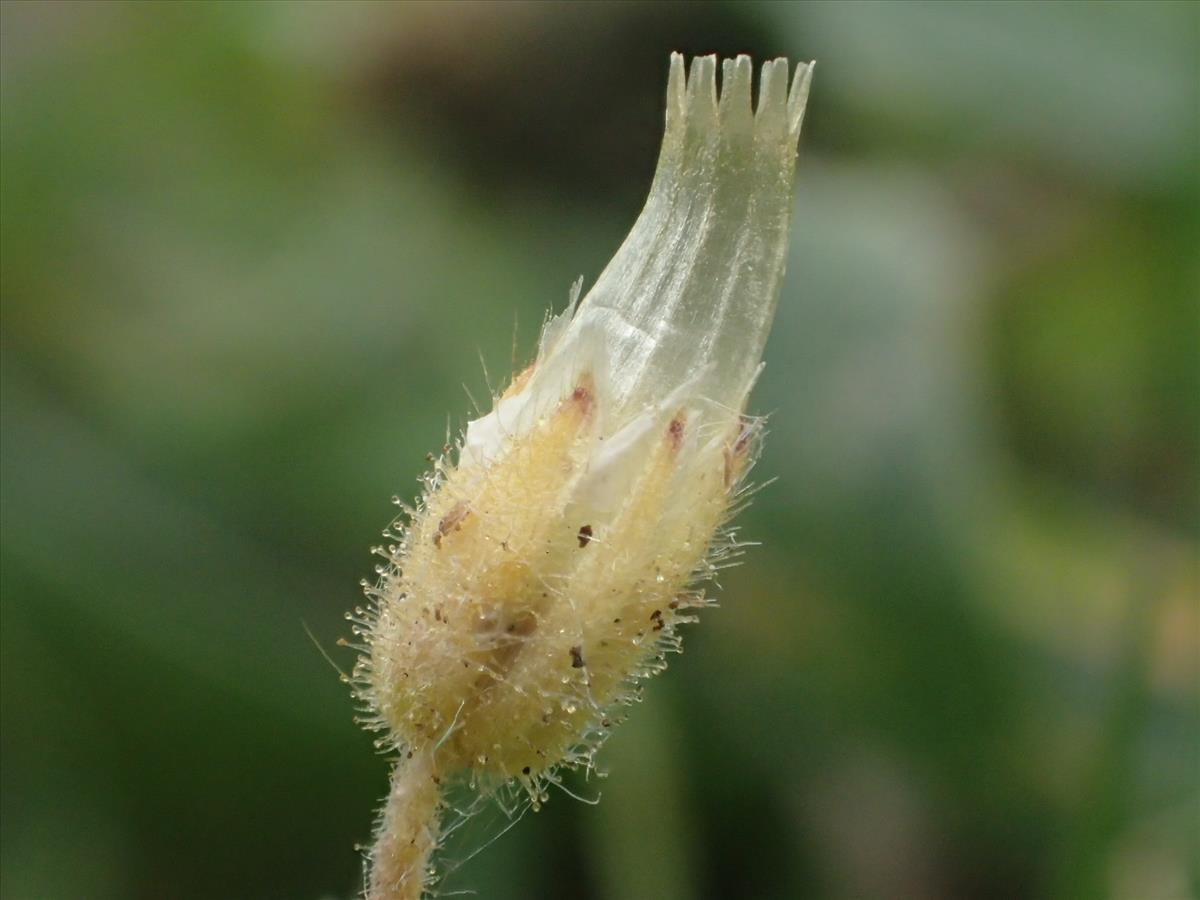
x=680 y=315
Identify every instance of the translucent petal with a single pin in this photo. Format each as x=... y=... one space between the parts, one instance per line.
x=694 y=286
x=689 y=297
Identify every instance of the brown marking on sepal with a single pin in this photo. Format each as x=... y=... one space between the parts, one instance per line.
x=583 y=395
x=675 y=432
x=585 y=535
x=523 y=623
x=451 y=521
x=577 y=657
x=736 y=452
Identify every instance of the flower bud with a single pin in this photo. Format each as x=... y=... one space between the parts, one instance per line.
x=547 y=570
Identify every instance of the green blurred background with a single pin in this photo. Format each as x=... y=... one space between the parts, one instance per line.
x=251 y=254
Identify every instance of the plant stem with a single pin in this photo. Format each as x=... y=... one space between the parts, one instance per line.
x=407 y=832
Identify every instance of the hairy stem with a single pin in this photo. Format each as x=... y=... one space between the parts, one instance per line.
x=407 y=832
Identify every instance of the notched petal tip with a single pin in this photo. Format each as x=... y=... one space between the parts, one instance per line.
x=772 y=91
x=701 y=93
x=695 y=106
x=736 y=77
x=676 y=92
x=798 y=96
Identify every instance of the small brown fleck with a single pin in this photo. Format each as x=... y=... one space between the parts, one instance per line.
x=675 y=432
x=735 y=454
x=745 y=433
x=583 y=396
x=585 y=535
x=577 y=657
x=429 y=457
x=657 y=619
x=523 y=623
x=451 y=521
x=525 y=771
